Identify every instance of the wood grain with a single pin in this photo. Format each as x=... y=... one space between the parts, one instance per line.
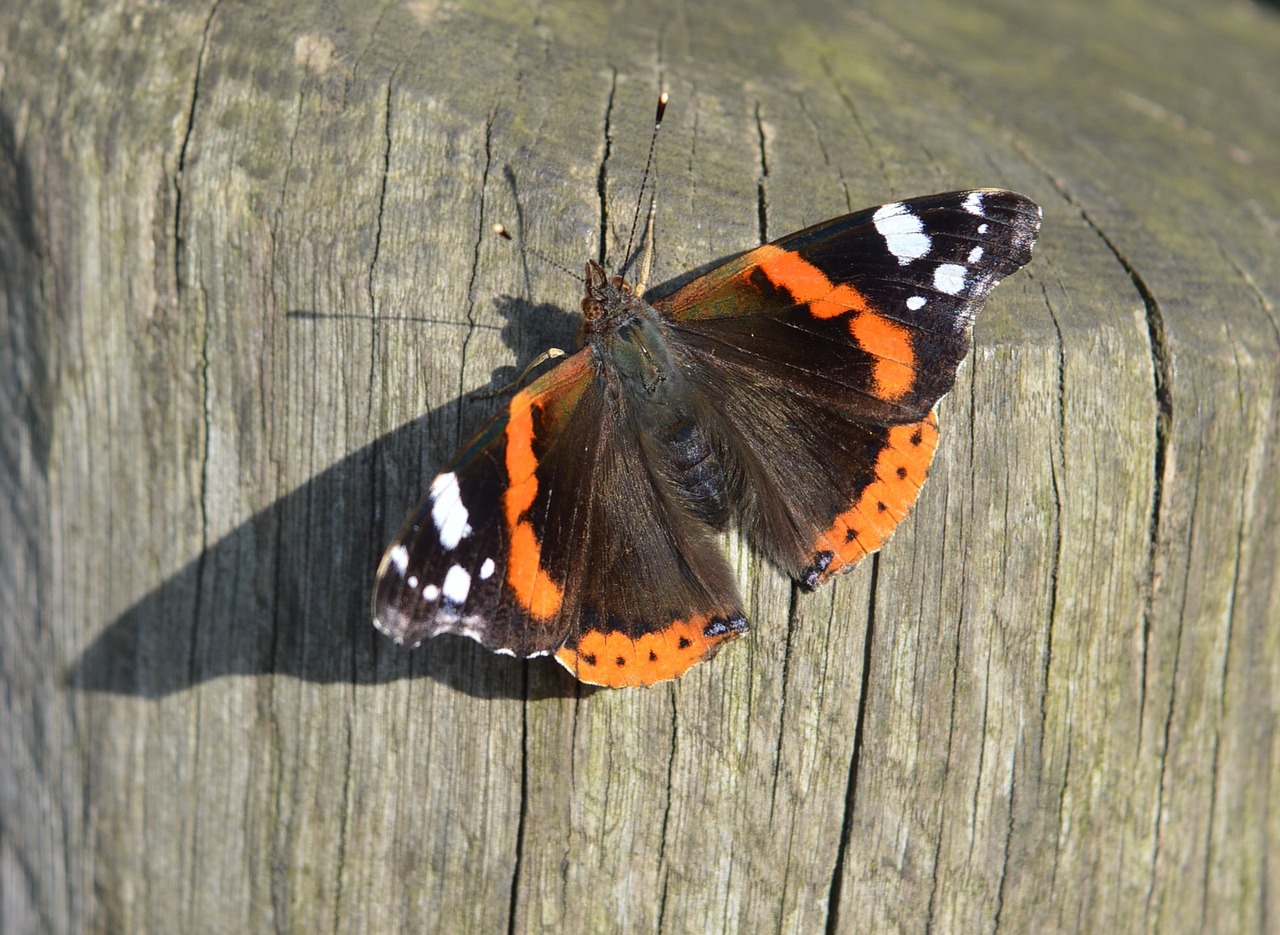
x=248 y=291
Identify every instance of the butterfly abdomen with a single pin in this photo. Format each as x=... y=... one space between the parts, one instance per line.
x=663 y=409
x=692 y=466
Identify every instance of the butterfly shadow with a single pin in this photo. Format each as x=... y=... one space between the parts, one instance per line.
x=286 y=593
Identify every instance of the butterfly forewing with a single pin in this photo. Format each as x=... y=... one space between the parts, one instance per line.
x=466 y=560
x=824 y=353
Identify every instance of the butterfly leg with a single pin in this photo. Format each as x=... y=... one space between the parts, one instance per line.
x=550 y=353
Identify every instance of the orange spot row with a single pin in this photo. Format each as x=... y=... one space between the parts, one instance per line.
x=886 y=340
x=530 y=583
x=616 y=660
x=900 y=470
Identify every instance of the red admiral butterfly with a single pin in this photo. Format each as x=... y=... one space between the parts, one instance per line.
x=790 y=390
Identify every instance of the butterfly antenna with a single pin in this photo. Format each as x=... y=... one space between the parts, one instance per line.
x=646 y=256
x=653 y=142
x=501 y=231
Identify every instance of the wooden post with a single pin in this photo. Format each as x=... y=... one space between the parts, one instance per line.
x=248 y=291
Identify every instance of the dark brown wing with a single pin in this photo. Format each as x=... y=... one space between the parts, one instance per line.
x=824 y=353
x=549 y=534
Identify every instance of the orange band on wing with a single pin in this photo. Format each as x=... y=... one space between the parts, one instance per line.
x=806 y=283
x=900 y=470
x=614 y=659
x=885 y=340
x=531 y=584
x=890 y=343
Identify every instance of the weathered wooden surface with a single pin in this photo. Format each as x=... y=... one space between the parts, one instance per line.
x=247 y=289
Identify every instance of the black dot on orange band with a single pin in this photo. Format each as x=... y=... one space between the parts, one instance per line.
x=653 y=657
x=621 y=662
x=916 y=437
x=684 y=642
x=589 y=659
x=881 y=507
x=850 y=535
x=902 y=473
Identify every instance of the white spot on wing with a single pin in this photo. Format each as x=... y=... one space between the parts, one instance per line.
x=447 y=511
x=915 y=303
x=975 y=255
x=486 y=569
x=903 y=232
x=982 y=228
x=973 y=203
x=949 y=278
x=400 y=558
x=431 y=592
x=457 y=585
x=412 y=582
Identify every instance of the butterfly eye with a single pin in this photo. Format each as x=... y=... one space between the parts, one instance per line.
x=621 y=284
x=591 y=309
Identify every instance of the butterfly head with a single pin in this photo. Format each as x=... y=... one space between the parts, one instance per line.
x=607 y=301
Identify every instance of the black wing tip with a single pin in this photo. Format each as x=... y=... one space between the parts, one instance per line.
x=1016 y=211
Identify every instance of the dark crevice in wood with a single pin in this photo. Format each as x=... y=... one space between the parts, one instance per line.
x=975 y=802
x=27 y=895
x=1008 y=843
x=692 y=162
x=179 y=241
x=1161 y=378
x=278 y=551
x=382 y=196
x=855 y=758
x=1210 y=813
x=179 y=246
x=816 y=128
x=666 y=812
x=1264 y=303
x=206 y=415
x=1175 y=679
x=1237 y=570
x=935 y=881
x=278 y=222
x=1057 y=473
x=513 y=910
x=602 y=173
x=856 y=117
x=340 y=858
x=474 y=274
x=374 y=464
x=278 y=884
x=662 y=898
x=371 y=45
x=762 y=199
x=1158 y=343
x=792 y=610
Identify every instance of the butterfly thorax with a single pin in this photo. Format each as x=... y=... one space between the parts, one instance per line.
x=634 y=358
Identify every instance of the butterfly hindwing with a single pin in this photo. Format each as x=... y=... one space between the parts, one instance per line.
x=470 y=559
x=553 y=532
x=824 y=353
x=656 y=594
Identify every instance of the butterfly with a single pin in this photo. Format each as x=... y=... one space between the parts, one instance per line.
x=789 y=391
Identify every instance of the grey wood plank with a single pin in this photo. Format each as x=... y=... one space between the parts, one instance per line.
x=248 y=291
